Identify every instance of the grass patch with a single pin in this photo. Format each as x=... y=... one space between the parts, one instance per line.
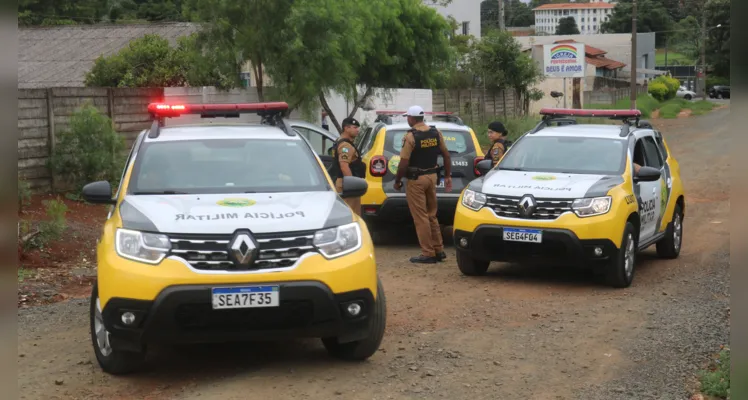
x=701 y=107
x=673 y=58
x=715 y=381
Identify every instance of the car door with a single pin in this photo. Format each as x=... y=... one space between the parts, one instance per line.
x=663 y=185
x=647 y=193
x=320 y=141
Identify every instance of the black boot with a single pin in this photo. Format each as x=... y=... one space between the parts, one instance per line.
x=424 y=260
x=441 y=256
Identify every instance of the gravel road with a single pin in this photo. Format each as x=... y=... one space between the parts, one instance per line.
x=520 y=332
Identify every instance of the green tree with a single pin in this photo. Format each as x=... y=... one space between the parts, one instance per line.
x=499 y=62
x=652 y=17
x=516 y=13
x=457 y=75
x=718 y=39
x=357 y=46
x=60 y=12
x=242 y=31
x=567 y=26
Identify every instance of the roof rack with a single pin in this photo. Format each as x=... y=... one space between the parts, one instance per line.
x=551 y=115
x=271 y=113
x=445 y=116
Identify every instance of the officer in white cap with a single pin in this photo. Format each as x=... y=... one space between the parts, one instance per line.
x=422 y=146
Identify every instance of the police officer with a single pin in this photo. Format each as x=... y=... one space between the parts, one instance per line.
x=348 y=161
x=497 y=135
x=422 y=145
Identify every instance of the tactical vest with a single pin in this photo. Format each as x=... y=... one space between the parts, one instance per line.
x=358 y=168
x=426 y=150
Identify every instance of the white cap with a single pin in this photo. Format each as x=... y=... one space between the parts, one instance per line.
x=415 y=111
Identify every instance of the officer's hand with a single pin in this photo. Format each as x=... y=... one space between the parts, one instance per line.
x=398 y=185
x=448 y=184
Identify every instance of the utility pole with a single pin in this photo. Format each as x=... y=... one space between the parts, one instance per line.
x=501 y=15
x=702 y=86
x=633 y=56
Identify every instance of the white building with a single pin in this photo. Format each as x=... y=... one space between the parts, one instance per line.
x=589 y=16
x=465 y=12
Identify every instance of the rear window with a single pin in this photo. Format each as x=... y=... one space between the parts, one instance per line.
x=457 y=141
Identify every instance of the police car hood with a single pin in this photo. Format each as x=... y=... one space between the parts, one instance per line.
x=548 y=185
x=223 y=214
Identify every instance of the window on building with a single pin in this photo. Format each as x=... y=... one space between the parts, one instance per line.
x=466 y=28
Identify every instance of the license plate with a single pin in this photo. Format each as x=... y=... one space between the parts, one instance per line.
x=523 y=235
x=246 y=297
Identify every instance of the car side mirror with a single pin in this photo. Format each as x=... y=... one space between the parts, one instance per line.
x=648 y=174
x=98 y=193
x=484 y=166
x=354 y=187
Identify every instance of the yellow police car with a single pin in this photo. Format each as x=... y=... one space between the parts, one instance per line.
x=571 y=194
x=196 y=249
x=380 y=145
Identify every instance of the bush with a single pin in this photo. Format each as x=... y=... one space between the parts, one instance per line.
x=658 y=90
x=716 y=380
x=90 y=151
x=46 y=231
x=670 y=83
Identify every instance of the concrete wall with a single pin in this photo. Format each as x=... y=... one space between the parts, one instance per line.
x=462 y=11
x=618 y=46
x=44 y=114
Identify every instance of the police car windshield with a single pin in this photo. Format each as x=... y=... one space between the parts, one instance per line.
x=458 y=142
x=574 y=155
x=226 y=166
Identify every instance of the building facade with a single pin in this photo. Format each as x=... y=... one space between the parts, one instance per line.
x=589 y=16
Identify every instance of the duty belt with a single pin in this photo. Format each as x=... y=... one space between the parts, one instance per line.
x=414 y=173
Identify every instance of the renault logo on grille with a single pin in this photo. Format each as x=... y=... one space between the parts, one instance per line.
x=243 y=248
x=527 y=205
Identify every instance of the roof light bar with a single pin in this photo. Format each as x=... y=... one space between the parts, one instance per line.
x=271 y=113
x=570 y=112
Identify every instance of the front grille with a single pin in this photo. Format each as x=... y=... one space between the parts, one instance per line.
x=546 y=209
x=291 y=314
x=210 y=252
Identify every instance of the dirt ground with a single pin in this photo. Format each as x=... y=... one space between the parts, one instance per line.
x=518 y=333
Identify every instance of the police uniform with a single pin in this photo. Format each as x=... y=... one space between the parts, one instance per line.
x=498 y=147
x=345 y=152
x=422 y=145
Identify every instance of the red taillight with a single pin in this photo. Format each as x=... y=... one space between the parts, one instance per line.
x=475 y=165
x=378 y=166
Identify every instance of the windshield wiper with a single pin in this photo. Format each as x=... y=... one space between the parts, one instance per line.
x=160 y=192
x=512 y=169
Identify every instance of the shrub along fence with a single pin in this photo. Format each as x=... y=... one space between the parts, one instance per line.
x=43 y=114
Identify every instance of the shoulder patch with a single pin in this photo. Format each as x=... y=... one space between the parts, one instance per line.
x=496 y=151
x=345 y=149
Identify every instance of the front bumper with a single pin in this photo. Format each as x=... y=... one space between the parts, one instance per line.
x=184 y=314
x=559 y=246
x=395 y=210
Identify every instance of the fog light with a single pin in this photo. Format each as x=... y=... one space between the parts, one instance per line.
x=128 y=318
x=354 y=309
x=598 y=251
x=463 y=242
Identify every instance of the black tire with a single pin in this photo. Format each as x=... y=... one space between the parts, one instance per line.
x=363 y=349
x=687 y=97
x=470 y=266
x=670 y=245
x=117 y=362
x=619 y=276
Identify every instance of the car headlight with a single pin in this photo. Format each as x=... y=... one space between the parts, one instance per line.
x=149 y=248
x=338 y=241
x=591 y=206
x=473 y=200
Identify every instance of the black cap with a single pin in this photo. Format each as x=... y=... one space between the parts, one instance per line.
x=497 y=126
x=351 y=121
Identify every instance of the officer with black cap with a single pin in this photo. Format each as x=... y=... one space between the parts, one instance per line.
x=497 y=134
x=348 y=161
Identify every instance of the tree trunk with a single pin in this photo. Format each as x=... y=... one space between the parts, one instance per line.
x=257 y=71
x=359 y=102
x=326 y=106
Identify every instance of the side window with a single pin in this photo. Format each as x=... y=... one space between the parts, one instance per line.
x=661 y=144
x=639 y=157
x=370 y=140
x=652 y=152
x=315 y=139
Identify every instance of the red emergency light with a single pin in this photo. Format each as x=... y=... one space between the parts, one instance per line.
x=570 y=112
x=162 y=110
